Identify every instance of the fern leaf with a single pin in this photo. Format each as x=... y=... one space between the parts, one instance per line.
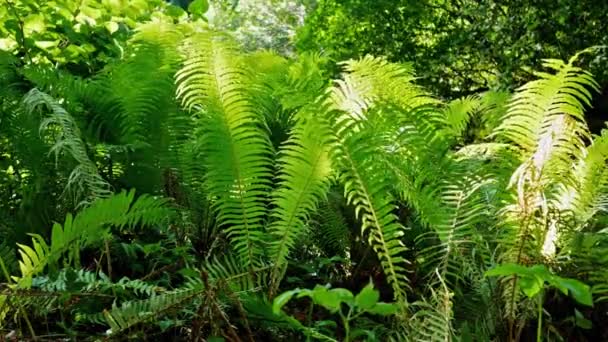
x=85 y=181
x=129 y=314
x=304 y=180
x=235 y=146
x=365 y=186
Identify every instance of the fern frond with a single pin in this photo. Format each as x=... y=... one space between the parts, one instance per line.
x=589 y=194
x=213 y=83
x=463 y=208
x=84 y=182
x=459 y=114
x=433 y=319
x=227 y=272
x=365 y=186
x=538 y=102
x=129 y=314
x=331 y=232
x=546 y=120
x=87 y=227
x=304 y=180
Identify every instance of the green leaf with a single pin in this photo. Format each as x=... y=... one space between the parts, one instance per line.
x=384 y=309
x=174 y=11
x=581 y=321
x=507 y=269
x=531 y=285
x=198 y=8
x=46 y=44
x=578 y=290
x=282 y=299
x=367 y=298
x=344 y=295
x=111 y=26
x=331 y=299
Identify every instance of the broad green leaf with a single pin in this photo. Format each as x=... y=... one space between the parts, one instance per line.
x=531 y=285
x=507 y=269
x=578 y=290
x=198 y=8
x=46 y=44
x=331 y=299
x=384 y=309
x=343 y=295
x=282 y=299
x=367 y=298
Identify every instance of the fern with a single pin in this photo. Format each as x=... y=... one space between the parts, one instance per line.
x=87 y=227
x=330 y=229
x=589 y=193
x=303 y=181
x=229 y=274
x=213 y=83
x=463 y=209
x=129 y=314
x=84 y=181
x=432 y=321
x=364 y=187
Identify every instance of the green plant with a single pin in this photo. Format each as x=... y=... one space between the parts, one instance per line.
x=532 y=280
x=335 y=301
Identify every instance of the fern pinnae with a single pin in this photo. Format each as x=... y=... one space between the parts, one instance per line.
x=304 y=180
x=235 y=146
x=84 y=181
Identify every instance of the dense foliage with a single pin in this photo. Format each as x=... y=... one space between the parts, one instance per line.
x=161 y=181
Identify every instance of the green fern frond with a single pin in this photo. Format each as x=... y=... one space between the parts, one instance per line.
x=129 y=314
x=433 y=319
x=89 y=226
x=214 y=83
x=589 y=194
x=369 y=192
x=546 y=120
x=458 y=115
x=463 y=208
x=330 y=230
x=375 y=79
x=227 y=272
x=8 y=260
x=303 y=181
x=84 y=182
x=538 y=102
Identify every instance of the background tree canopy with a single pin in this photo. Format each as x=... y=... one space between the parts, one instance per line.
x=459 y=47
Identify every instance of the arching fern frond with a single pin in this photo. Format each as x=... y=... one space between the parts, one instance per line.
x=304 y=180
x=589 y=194
x=433 y=319
x=85 y=182
x=330 y=229
x=228 y=273
x=214 y=83
x=89 y=226
x=129 y=314
x=463 y=208
x=365 y=186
